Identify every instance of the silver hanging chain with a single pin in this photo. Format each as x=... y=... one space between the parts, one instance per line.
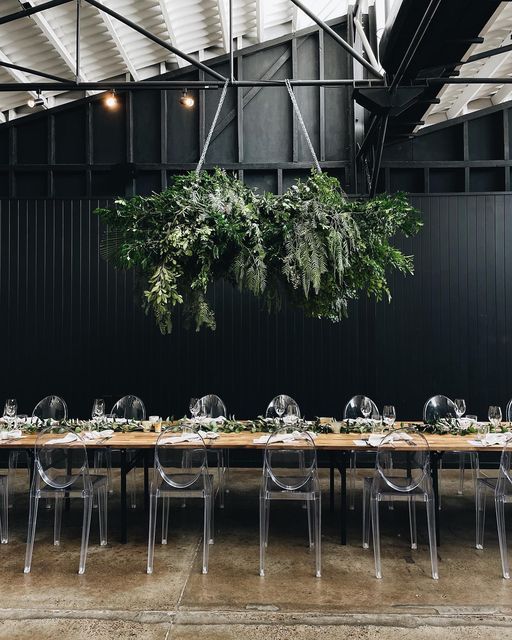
x=212 y=128
x=301 y=121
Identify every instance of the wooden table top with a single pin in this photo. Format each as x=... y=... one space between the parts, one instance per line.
x=245 y=440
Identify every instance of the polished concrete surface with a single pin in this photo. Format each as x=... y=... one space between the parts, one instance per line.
x=116 y=599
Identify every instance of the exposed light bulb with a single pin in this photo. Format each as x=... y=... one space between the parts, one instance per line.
x=111 y=100
x=187 y=100
x=36 y=102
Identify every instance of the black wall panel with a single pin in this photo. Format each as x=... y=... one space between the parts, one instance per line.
x=73 y=326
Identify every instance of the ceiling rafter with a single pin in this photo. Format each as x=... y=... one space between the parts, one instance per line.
x=56 y=42
x=487 y=70
x=109 y=23
x=223 y=10
x=16 y=74
x=170 y=30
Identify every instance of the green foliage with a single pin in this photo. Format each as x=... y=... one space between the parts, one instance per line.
x=311 y=245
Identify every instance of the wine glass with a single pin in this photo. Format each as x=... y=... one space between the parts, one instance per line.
x=460 y=407
x=98 y=409
x=10 y=410
x=494 y=416
x=194 y=407
x=366 y=407
x=280 y=406
x=389 y=415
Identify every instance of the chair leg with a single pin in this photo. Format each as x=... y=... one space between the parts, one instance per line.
x=462 y=464
x=480 y=515
x=165 y=518
x=310 y=531
x=152 y=530
x=57 y=519
x=4 y=513
x=431 y=525
x=374 y=507
x=206 y=530
x=32 y=521
x=221 y=473
x=86 y=527
x=103 y=513
x=412 y=522
x=317 y=514
x=263 y=533
x=502 y=536
x=366 y=514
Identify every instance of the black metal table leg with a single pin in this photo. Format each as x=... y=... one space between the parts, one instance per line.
x=434 y=467
x=331 y=483
x=124 y=507
x=342 y=468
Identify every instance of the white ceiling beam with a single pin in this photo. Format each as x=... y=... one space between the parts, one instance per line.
x=109 y=23
x=170 y=30
x=17 y=75
x=295 y=18
x=56 y=42
x=487 y=70
x=260 y=20
x=502 y=95
x=223 y=10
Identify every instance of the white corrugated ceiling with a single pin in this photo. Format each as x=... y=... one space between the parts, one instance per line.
x=111 y=50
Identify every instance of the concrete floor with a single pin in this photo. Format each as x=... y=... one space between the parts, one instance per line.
x=116 y=599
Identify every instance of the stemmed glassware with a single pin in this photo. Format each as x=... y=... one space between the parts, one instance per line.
x=10 y=410
x=494 y=416
x=280 y=406
x=98 y=409
x=389 y=416
x=194 y=407
x=460 y=407
x=366 y=407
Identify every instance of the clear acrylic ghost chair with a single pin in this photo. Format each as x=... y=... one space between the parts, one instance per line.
x=352 y=411
x=171 y=479
x=402 y=473
x=128 y=408
x=508 y=411
x=61 y=471
x=53 y=409
x=291 y=408
x=213 y=407
x=290 y=473
x=502 y=489
x=440 y=407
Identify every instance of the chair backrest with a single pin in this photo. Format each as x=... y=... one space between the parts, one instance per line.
x=291 y=408
x=506 y=461
x=53 y=455
x=508 y=411
x=212 y=406
x=291 y=465
x=352 y=409
x=129 y=407
x=439 y=407
x=51 y=408
x=180 y=464
x=404 y=464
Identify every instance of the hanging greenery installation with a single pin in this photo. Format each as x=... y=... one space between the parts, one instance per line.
x=311 y=245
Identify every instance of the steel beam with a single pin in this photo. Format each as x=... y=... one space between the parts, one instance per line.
x=156 y=39
x=323 y=25
x=383 y=125
x=33 y=72
x=25 y=13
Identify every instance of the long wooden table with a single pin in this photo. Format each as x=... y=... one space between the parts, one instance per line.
x=338 y=447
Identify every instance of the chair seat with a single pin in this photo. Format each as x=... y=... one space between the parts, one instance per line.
x=78 y=485
x=197 y=489
x=384 y=491
x=491 y=483
x=308 y=491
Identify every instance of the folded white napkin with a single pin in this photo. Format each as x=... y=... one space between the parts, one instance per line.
x=97 y=435
x=376 y=439
x=291 y=419
x=69 y=437
x=284 y=437
x=492 y=440
x=207 y=420
x=13 y=434
x=361 y=443
x=119 y=420
x=190 y=437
